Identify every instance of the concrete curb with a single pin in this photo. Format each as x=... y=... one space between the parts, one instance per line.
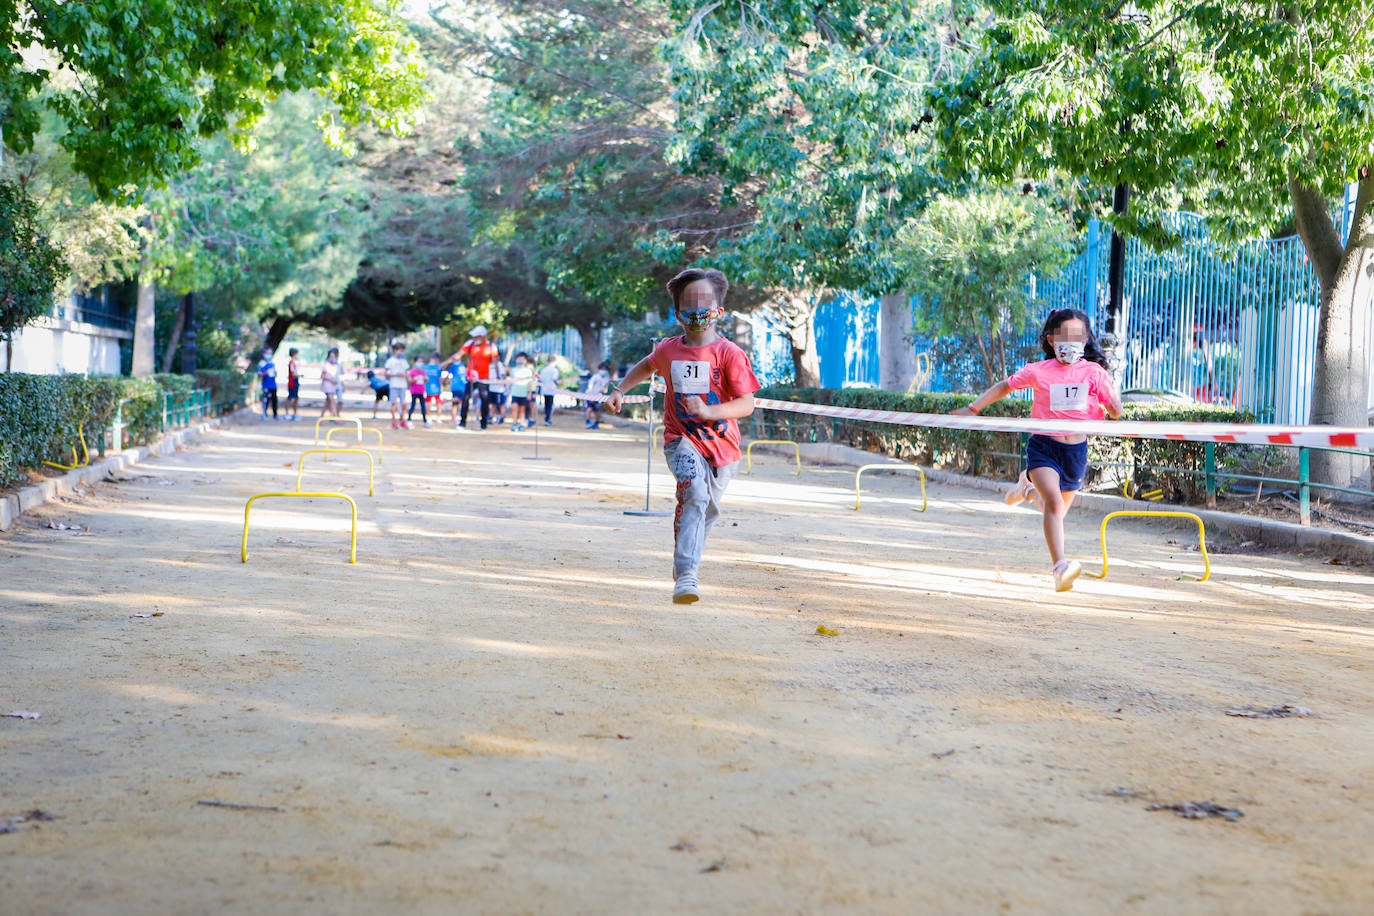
x=15 y=505
x=1232 y=527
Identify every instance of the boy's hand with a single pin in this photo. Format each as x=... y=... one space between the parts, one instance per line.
x=696 y=407
x=962 y=412
x=613 y=401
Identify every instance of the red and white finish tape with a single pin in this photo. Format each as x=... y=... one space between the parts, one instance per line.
x=1244 y=433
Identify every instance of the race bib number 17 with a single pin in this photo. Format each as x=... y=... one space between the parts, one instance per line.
x=1069 y=397
x=691 y=376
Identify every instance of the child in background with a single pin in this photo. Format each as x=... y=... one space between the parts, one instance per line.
x=396 y=370
x=548 y=386
x=331 y=383
x=434 y=387
x=596 y=388
x=379 y=388
x=1072 y=383
x=417 y=376
x=521 y=386
x=458 y=388
x=710 y=386
x=267 y=375
x=293 y=385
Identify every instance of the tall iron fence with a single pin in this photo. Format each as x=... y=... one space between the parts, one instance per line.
x=1228 y=325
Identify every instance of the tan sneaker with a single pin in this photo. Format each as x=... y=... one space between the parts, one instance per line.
x=1021 y=492
x=1065 y=573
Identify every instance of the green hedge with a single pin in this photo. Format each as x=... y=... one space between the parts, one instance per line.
x=1144 y=463
x=41 y=415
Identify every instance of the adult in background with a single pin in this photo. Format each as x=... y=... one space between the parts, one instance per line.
x=331 y=383
x=480 y=356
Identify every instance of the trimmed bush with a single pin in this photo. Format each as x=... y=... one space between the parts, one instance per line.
x=1137 y=464
x=42 y=416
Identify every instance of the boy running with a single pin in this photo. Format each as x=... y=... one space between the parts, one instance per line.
x=710 y=386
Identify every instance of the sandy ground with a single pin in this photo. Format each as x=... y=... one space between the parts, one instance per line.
x=498 y=709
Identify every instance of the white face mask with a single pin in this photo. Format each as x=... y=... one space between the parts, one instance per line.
x=1069 y=352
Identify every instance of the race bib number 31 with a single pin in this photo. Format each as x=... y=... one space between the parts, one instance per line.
x=691 y=376
x=1069 y=397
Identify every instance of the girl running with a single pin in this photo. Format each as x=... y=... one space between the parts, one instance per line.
x=1071 y=384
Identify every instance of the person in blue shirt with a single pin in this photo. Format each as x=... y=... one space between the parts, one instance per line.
x=434 y=386
x=457 y=388
x=380 y=389
x=267 y=375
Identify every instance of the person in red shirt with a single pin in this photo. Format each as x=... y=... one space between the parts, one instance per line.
x=479 y=355
x=710 y=387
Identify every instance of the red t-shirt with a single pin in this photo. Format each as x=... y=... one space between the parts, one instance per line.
x=480 y=357
x=716 y=372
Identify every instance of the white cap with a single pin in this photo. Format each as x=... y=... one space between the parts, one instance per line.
x=479 y=331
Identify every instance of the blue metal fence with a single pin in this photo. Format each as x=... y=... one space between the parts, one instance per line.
x=1234 y=326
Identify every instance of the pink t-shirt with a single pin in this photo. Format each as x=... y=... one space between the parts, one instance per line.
x=417 y=380
x=716 y=372
x=1061 y=392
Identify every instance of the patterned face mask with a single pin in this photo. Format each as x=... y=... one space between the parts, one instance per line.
x=1069 y=352
x=699 y=320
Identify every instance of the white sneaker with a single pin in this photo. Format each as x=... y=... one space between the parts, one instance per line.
x=1064 y=574
x=686 y=590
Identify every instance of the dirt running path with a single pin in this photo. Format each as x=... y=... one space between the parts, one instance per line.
x=498 y=709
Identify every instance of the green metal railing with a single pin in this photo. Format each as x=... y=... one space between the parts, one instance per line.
x=175 y=410
x=1303 y=482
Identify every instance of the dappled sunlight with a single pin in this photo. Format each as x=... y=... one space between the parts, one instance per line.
x=163 y=693
x=506 y=647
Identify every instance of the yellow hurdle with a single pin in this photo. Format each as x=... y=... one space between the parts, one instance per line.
x=328 y=436
x=353 y=538
x=749 y=453
x=326 y=452
x=1147 y=513
x=354 y=420
x=84 y=461
x=858 y=476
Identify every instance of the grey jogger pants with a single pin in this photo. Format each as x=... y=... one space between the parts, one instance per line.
x=699 y=491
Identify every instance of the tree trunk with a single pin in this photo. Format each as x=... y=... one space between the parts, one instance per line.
x=897 y=343
x=799 y=313
x=277 y=332
x=1340 y=390
x=591 y=345
x=145 y=317
x=174 y=341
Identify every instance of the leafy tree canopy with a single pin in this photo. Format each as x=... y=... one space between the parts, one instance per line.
x=138 y=84
x=1228 y=102
x=967 y=260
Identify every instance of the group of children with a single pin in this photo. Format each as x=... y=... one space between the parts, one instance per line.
x=474 y=371
x=331 y=384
